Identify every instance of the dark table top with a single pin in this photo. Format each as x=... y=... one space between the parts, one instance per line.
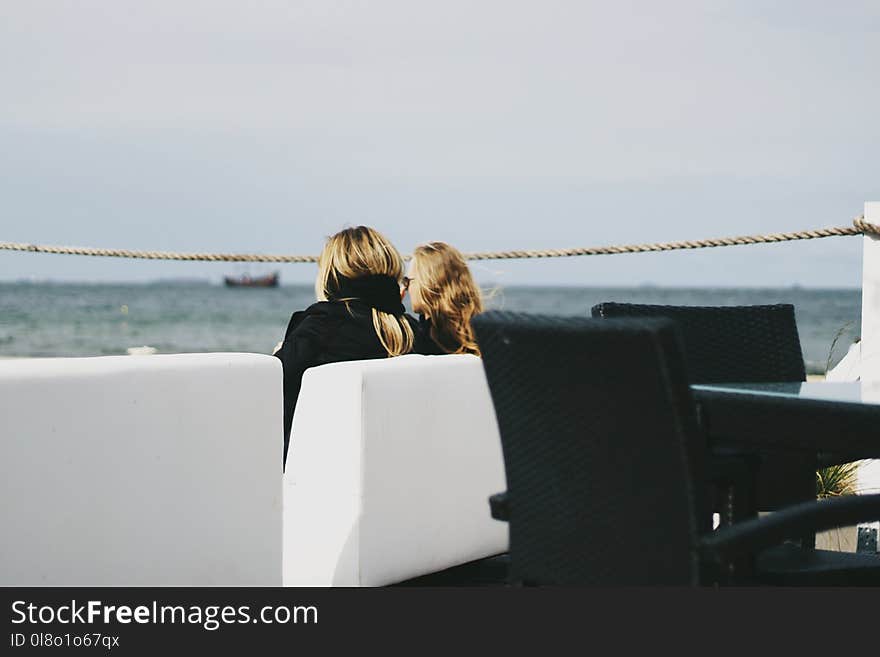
x=856 y=392
x=813 y=416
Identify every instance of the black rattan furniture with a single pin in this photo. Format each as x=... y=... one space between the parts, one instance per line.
x=489 y=572
x=727 y=344
x=814 y=416
x=742 y=344
x=811 y=417
x=604 y=457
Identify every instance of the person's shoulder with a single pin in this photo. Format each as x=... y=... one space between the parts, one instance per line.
x=423 y=343
x=306 y=332
x=321 y=308
x=414 y=324
x=312 y=317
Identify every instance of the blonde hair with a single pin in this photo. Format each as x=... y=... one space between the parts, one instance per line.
x=362 y=251
x=449 y=295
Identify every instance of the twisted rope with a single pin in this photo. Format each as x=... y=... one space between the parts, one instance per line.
x=154 y=255
x=859 y=227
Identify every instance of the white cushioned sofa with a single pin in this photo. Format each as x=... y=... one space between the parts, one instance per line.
x=389 y=472
x=166 y=470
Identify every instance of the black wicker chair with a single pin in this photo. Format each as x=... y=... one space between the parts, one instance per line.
x=742 y=344
x=726 y=344
x=604 y=458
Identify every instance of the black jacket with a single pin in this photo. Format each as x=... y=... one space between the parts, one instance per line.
x=432 y=348
x=329 y=332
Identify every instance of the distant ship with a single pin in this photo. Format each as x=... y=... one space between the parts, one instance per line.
x=269 y=280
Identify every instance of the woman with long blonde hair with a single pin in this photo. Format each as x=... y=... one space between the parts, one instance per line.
x=358 y=315
x=445 y=296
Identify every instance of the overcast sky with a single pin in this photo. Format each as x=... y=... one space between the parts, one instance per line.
x=265 y=126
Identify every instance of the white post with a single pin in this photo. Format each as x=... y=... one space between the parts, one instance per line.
x=869 y=367
x=870 y=351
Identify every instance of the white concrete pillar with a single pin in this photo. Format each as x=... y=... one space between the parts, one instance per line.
x=869 y=368
x=870 y=351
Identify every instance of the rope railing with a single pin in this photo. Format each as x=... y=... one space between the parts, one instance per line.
x=859 y=227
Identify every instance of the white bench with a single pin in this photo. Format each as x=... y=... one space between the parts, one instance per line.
x=166 y=470
x=390 y=468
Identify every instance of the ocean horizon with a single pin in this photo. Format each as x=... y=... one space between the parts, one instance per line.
x=61 y=318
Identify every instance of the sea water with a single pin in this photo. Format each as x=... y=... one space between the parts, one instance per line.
x=66 y=319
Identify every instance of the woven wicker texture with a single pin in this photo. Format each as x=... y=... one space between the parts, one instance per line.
x=745 y=344
x=597 y=424
x=726 y=344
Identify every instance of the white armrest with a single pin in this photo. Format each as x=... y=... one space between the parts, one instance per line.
x=143 y=471
x=390 y=468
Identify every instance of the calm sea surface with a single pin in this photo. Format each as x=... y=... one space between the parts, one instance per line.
x=57 y=319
